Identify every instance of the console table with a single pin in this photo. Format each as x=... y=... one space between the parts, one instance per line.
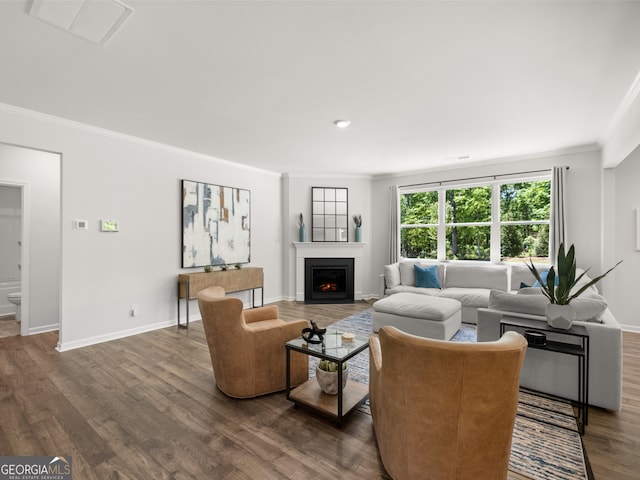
x=561 y=344
x=237 y=280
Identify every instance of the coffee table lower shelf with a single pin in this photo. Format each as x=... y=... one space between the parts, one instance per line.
x=311 y=396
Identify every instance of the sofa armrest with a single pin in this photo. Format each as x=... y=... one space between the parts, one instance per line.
x=381 y=285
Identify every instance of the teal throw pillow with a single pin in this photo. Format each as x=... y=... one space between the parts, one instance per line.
x=543 y=276
x=426 y=277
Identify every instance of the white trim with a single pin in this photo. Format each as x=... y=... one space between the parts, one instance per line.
x=43 y=328
x=43 y=117
x=590 y=147
x=24 y=261
x=637 y=228
x=623 y=109
x=630 y=328
x=85 y=342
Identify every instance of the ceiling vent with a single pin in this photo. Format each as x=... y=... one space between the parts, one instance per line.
x=94 y=20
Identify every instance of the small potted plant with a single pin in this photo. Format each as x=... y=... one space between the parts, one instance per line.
x=357 y=220
x=558 y=285
x=208 y=268
x=327 y=376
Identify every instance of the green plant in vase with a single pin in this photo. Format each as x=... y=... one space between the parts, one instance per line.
x=558 y=286
x=327 y=376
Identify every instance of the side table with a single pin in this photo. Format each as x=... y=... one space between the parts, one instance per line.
x=309 y=394
x=561 y=344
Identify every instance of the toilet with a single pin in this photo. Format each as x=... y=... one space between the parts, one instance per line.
x=16 y=299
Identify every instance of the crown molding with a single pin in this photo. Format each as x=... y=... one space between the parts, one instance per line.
x=63 y=122
x=327 y=175
x=590 y=147
x=627 y=102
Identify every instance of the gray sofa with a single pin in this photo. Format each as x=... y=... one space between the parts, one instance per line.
x=469 y=283
x=488 y=292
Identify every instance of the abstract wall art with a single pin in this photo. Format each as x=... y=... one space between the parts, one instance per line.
x=216 y=225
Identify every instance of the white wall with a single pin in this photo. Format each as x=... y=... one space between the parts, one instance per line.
x=105 y=175
x=626 y=195
x=583 y=202
x=296 y=199
x=39 y=172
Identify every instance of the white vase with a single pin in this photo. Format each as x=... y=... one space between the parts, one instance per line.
x=560 y=316
x=328 y=381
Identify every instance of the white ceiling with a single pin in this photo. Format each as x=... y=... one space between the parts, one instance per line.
x=260 y=83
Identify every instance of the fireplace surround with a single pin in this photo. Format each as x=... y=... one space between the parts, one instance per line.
x=305 y=250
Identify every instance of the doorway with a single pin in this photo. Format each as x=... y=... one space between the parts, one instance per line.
x=36 y=174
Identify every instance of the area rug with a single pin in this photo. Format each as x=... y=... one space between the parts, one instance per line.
x=539 y=451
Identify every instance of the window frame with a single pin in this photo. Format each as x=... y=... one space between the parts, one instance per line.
x=495 y=224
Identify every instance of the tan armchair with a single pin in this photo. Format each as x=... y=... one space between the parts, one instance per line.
x=444 y=410
x=247 y=346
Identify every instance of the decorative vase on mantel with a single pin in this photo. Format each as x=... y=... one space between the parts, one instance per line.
x=560 y=316
x=358 y=234
x=302 y=234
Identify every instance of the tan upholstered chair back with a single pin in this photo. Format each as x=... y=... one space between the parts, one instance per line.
x=444 y=410
x=247 y=347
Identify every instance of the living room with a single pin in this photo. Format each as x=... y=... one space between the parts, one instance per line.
x=84 y=282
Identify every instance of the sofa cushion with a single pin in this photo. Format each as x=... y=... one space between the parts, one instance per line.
x=392 y=275
x=477 y=276
x=413 y=289
x=509 y=302
x=417 y=306
x=407 y=272
x=543 y=277
x=426 y=276
x=520 y=274
x=468 y=297
x=588 y=309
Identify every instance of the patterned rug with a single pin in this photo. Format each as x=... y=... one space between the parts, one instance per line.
x=539 y=451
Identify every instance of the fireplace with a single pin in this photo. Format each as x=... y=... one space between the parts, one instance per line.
x=328 y=280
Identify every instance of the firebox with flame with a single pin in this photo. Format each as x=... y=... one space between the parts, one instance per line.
x=329 y=287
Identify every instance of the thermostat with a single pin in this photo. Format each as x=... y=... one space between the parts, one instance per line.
x=109 y=226
x=81 y=224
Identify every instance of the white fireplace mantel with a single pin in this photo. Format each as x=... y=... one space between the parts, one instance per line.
x=329 y=250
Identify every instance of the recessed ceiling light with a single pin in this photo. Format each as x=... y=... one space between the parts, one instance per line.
x=342 y=123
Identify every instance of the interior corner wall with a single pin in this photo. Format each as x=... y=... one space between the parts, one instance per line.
x=40 y=171
x=583 y=200
x=626 y=195
x=111 y=176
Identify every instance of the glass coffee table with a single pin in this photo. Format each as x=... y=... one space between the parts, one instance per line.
x=309 y=394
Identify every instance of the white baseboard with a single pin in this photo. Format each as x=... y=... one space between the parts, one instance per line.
x=45 y=328
x=630 y=328
x=85 y=342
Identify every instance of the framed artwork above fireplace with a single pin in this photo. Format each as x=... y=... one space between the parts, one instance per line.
x=330 y=214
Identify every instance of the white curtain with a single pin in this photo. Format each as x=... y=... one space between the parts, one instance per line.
x=394 y=247
x=558 y=233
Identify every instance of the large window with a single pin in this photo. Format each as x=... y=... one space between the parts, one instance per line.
x=497 y=221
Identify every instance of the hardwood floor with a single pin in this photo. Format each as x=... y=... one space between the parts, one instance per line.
x=8 y=326
x=147 y=407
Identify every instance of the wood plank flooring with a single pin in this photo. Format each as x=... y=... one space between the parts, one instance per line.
x=146 y=407
x=8 y=326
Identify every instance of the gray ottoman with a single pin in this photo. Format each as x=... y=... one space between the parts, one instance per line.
x=422 y=315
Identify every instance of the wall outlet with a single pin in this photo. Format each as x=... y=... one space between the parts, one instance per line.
x=134 y=310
